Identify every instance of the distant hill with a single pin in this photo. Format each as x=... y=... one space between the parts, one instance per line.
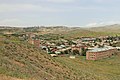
x=77 y=33
x=49 y=30
x=109 y=28
x=67 y=32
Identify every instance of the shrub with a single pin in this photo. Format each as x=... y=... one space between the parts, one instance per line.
x=6 y=42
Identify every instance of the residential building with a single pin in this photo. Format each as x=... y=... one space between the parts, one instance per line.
x=100 y=53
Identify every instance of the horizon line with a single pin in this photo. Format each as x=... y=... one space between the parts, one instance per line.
x=57 y=26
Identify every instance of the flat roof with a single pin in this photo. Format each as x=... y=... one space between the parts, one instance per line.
x=101 y=49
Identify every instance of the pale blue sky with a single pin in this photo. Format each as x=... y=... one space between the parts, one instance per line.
x=59 y=12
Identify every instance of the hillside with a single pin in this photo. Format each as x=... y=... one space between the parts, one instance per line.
x=77 y=32
x=109 y=28
x=105 y=69
x=3 y=77
x=85 y=33
x=21 y=60
x=49 y=30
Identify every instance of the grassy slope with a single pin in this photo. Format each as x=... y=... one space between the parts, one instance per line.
x=24 y=61
x=106 y=69
x=3 y=77
x=109 y=28
x=82 y=32
x=21 y=60
x=94 y=31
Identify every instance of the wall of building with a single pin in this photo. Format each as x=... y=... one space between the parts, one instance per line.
x=37 y=43
x=100 y=54
x=34 y=42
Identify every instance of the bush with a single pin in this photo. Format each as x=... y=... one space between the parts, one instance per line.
x=6 y=42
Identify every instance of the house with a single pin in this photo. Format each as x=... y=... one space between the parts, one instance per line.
x=118 y=48
x=100 y=53
x=57 y=52
x=8 y=33
x=88 y=39
x=78 y=47
x=31 y=35
x=35 y=42
x=54 y=55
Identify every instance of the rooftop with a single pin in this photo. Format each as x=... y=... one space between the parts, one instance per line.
x=101 y=49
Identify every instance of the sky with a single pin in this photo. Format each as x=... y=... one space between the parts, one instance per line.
x=75 y=13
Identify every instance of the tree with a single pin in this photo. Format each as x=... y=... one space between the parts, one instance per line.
x=75 y=52
x=83 y=51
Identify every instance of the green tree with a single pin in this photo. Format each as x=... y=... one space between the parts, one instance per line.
x=83 y=51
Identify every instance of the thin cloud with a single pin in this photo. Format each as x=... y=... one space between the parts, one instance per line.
x=10 y=21
x=61 y=1
x=95 y=24
x=25 y=7
x=38 y=8
x=106 y=1
x=68 y=12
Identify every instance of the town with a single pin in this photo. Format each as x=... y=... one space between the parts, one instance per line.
x=59 y=39
x=52 y=53
x=94 y=48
